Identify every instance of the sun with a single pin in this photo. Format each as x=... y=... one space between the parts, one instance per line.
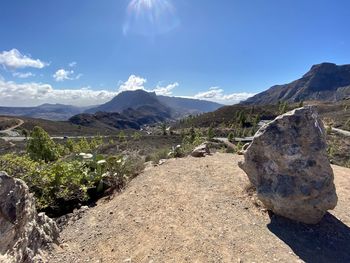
x=150 y=17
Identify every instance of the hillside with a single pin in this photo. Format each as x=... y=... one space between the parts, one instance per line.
x=335 y=113
x=127 y=119
x=324 y=82
x=198 y=210
x=55 y=128
x=183 y=106
x=58 y=112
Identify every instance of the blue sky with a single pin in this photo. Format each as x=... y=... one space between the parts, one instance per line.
x=86 y=51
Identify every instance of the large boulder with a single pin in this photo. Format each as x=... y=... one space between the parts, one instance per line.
x=287 y=163
x=23 y=232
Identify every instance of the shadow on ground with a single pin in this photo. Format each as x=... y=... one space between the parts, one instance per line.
x=328 y=241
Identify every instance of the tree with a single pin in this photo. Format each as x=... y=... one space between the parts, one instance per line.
x=70 y=145
x=283 y=107
x=256 y=120
x=231 y=136
x=241 y=118
x=210 y=134
x=163 y=127
x=136 y=136
x=41 y=147
x=84 y=145
x=192 y=134
x=122 y=136
x=25 y=133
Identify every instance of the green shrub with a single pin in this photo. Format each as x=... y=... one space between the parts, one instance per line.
x=136 y=136
x=163 y=128
x=82 y=145
x=122 y=136
x=158 y=155
x=231 y=137
x=41 y=147
x=55 y=184
x=210 y=134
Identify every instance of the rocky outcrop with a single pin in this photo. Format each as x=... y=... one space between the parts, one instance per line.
x=324 y=82
x=288 y=164
x=23 y=231
x=201 y=151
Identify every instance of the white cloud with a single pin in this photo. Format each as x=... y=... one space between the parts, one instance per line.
x=62 y=74
x=217 y=94
x=78 y=76
x=167 y=90
x=31 y=94
x=14 y=59
x=72 y=64
x=135 y=82
x=23 y=75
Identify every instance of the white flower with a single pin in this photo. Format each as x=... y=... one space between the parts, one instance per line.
x=178 y=146
x=101 y=161
x=82 y=154
x=119 y=161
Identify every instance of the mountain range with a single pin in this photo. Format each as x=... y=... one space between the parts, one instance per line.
x=132 y=109
x=58 y=112
x=163 y=107
x=324 y=82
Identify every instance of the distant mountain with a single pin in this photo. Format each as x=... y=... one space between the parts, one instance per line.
x=127 y=119
x=130 y=99
x=176 y=106
x=132 y=109
x=45 y=111
x=324 y=82
x=183 y=106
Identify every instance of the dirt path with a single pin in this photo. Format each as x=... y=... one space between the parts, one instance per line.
x=10 y=132
x=196 y=210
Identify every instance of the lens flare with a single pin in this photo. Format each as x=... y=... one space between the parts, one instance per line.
x=150 y=17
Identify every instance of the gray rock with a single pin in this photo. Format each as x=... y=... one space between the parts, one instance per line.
x=201 y=151
x=24 y=232
x=287 y=163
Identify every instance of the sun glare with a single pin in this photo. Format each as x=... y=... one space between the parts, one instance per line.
x=150 y=17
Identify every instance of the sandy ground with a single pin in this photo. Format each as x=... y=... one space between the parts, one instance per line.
x=197 y=210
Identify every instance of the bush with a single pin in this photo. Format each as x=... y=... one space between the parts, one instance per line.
x=136 y=136
x=41 y=147
x=159 y=155
x=210 y=134
x=57 y=184
x=122 y=136
x=231 y=137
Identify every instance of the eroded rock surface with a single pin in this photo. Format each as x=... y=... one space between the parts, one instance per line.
x=287 y=162
x=23 y=232
x=201 y=151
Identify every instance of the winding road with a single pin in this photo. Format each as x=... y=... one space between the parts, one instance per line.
x=10 y=131
x=344 y=132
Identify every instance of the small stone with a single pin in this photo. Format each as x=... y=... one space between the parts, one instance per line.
x=201 y=151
